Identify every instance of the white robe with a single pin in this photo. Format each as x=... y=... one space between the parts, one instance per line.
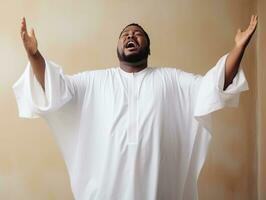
x=130 y=136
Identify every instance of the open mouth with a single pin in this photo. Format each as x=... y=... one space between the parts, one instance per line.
x=131 y=44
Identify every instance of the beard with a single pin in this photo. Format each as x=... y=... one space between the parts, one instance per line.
x=134 y=57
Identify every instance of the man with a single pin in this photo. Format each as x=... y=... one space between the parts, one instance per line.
x=132 y=132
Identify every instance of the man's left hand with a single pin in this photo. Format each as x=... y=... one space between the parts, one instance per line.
x=242 y=37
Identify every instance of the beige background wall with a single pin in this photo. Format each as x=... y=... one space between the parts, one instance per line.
x=82 y=35
x=261 y=101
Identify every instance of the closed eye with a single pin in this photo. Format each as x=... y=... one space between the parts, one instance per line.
x=139 y=34
x=124 y=35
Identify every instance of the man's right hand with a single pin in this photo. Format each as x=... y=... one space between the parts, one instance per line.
x=35 y=58
x=29 y=39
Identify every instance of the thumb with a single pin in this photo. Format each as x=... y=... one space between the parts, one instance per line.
x=239 y=30
x=32 y=33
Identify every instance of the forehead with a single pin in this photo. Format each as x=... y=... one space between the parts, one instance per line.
x=132 y=28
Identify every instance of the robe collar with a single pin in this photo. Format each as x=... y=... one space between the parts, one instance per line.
x=130 y=74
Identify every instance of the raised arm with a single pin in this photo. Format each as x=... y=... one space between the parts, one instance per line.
x=36 y=60
x=234 y=58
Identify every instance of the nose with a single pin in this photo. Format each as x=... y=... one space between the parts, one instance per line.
x=130 y=35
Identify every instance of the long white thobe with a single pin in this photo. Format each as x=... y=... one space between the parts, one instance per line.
x=130 y=136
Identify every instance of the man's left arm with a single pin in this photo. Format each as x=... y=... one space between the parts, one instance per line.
x=234 y=58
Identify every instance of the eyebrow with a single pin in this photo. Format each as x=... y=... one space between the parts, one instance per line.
x=136 y=30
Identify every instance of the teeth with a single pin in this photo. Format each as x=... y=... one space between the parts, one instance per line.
x=129 y=43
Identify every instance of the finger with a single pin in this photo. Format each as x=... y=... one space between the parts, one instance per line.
x=23 y=36
x=24 y=26
x=254 y=19
x=252 y=27
x=32 y=33
x=253 y=23
x=251 y=19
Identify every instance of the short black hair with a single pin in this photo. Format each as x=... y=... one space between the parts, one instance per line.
x=145 y=33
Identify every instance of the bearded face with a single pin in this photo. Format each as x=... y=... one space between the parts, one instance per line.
x=132 y=45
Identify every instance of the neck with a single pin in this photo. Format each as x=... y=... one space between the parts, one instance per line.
x=133 y=67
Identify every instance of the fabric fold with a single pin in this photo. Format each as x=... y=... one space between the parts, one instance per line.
x=211 y=96
x=32 y=100
x=88 y=115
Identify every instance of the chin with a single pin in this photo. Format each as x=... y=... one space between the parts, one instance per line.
x=132 y=56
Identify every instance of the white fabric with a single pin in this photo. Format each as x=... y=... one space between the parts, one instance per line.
x=130 y=136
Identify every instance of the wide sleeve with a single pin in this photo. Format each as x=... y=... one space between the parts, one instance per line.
x=31 y=99
x=211 y=96
x=60 y=105
x=209 y=93
x=203 y=95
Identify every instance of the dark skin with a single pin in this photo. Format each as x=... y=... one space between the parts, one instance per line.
x=234 y=58
x=36 y=59
x=135 y=34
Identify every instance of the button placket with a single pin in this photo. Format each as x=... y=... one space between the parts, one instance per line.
x=132 y=137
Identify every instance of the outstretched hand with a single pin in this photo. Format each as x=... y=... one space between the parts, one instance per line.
x=234 y=58
x=29 y=39
x=35 y=58
x=242 y=38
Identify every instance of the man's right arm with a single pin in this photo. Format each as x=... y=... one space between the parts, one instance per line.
x=36 y=59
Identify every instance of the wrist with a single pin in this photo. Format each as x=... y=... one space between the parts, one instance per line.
x=240 y=46
x=33 y=55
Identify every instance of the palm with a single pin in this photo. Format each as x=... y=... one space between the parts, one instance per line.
x=242 y=37
x=29 y=39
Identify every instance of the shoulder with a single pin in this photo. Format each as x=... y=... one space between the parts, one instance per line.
x=166 y=72
x=179 y=73
x=95 y=73
x=176 y=75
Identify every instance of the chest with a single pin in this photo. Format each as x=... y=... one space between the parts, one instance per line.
x=129 y=106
